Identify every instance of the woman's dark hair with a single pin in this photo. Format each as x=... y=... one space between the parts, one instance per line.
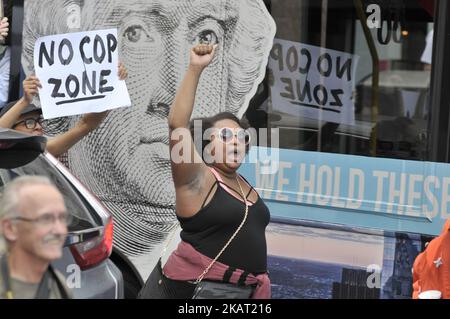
x=208 y=122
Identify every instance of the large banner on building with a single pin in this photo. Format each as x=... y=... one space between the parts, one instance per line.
x=346 y=226
x=375 y=193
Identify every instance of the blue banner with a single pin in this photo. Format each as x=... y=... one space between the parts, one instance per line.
x=356 y=191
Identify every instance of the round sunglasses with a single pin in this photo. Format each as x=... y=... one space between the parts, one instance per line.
x=226 y=135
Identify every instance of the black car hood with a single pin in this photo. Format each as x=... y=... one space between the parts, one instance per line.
x=18 y=149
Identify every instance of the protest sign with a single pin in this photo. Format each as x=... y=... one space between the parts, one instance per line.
x=79 y=73
x=313 y=82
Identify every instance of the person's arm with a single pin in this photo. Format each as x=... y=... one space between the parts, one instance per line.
x=63 y=142
x=30 y=89
x=88 y=122
x=180 y=114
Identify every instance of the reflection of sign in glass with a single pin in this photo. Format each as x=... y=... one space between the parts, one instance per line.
x=78 y=72
x=313 y=82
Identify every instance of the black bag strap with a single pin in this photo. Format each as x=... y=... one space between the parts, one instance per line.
x=242 y=278
x=61 y=287
x=227 y=275
x=43 y=291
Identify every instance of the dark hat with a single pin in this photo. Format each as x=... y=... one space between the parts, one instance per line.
x=30 y=108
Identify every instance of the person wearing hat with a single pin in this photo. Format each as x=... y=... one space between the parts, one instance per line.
x=26 y=117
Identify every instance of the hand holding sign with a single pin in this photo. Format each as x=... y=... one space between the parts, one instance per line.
x=122 y=72
x=30 y=88
x=92 y=120
x=76 y=71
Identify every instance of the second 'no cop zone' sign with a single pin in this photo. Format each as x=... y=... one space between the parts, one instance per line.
x=79 y=73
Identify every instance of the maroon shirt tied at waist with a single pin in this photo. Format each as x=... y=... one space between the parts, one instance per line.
x=187 y=264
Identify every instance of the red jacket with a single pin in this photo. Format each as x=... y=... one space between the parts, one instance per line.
x=431 y=270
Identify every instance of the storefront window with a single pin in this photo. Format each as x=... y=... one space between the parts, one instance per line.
x=337 y=85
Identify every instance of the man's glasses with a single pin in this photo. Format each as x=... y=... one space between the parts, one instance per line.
x=49 y=219
x=30 y=123
x=226 y=135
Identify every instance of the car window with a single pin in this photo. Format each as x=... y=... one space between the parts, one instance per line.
x=84 y=215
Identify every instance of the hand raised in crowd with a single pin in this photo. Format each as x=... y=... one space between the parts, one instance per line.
x=31 y=87
x=122 y=71
x=202 y=55
x=4 y=28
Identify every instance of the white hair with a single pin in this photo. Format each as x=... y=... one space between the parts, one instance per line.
x=10 y=199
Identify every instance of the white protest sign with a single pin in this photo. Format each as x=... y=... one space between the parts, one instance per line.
x=79 y=73
x=313 y=82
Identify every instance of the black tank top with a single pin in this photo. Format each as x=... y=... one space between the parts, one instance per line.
x=210 y=229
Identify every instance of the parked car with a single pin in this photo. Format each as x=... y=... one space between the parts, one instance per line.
x=86 y=261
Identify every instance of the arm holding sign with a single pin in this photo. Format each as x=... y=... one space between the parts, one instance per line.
x=88 y=122
x=30 y=90
x=62 y=143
